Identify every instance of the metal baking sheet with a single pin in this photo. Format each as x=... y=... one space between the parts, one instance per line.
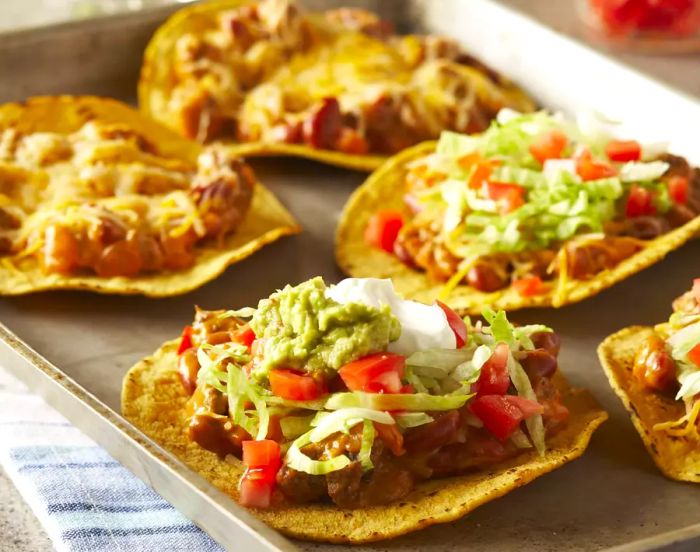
x=74 y=348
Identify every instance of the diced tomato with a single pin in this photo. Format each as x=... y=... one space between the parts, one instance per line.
x=254 y=492
x=589 y=169
x=494 y=378
x=262 y=459
x=392 y=437
x=295 y=386
x=639 y=202
x=480 y=174
x=621 y=14
x=243 y=335
x=264 y=455
x=528 y=287
x=457 y=324
x=696 y=289
x=352 y=142
x=467 y=161
x=185 y=340
x=383 y=228
x=379 y=373
x=694 y=355
x=502 y=414
x=549 y=145
x=508 y=196
x=623 y=150
x=678 y=189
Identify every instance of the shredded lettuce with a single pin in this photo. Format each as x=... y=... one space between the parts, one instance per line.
x=683 y=341
x=338 y=421
x=413 y=402
x=269 y=398
x=297 y=460
x=406 y=420
x=520 y=440
x=690 y=384
x=293 y=426
x=245 y=312
x=521 y=382
x=558 y=204
x=220 y=367
x=455 y=145
x=636 y=171
x=343 y=419
x=441 y=361
x=501 y=329
x=364 y=456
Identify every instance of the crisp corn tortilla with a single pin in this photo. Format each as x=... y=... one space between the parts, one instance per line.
x=153 y=399
x=677 y=457
x=156 y=84
x=266 y=220
x=384 y=189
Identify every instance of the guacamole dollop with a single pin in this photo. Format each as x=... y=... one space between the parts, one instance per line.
x=299 y=327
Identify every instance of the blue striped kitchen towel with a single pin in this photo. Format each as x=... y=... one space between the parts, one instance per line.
x=86 y=501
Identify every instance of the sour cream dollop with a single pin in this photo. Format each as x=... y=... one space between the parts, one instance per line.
x=422 y=326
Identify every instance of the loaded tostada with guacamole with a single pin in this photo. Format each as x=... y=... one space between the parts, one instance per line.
x=346 y=413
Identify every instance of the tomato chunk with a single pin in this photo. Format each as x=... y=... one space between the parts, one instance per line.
x=639 y=202
x=456 y=323
x=391 y=436
x=678 y=187
x=185 y=340
x=694 y=355
x=480 y=174
x=508 y=196
x=263 y=454
x=494 y=378
x=295 y=386
x=589 y=169
x=243 y=335
x=549 y=145
x=383 y=228
x=527 y=287
x=502 y=414
x=254 y=492
x=379 y=373
x=623 y=150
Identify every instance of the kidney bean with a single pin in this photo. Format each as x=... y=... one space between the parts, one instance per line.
x=61 y=250
x=653 y=365
x=549 y=341
x=323 y=126
x=433 y=435
x=485 y=278
x=122 y=258
x=539 y=363
x=646 y=227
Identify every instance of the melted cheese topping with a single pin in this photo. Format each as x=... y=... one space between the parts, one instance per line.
x=271 y=70
x=80 y=180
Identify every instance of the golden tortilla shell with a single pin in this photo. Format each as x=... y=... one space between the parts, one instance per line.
x=677 y=457
x=266 y=221
x=384 y=189
x=156 y=85
x=153 y=399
